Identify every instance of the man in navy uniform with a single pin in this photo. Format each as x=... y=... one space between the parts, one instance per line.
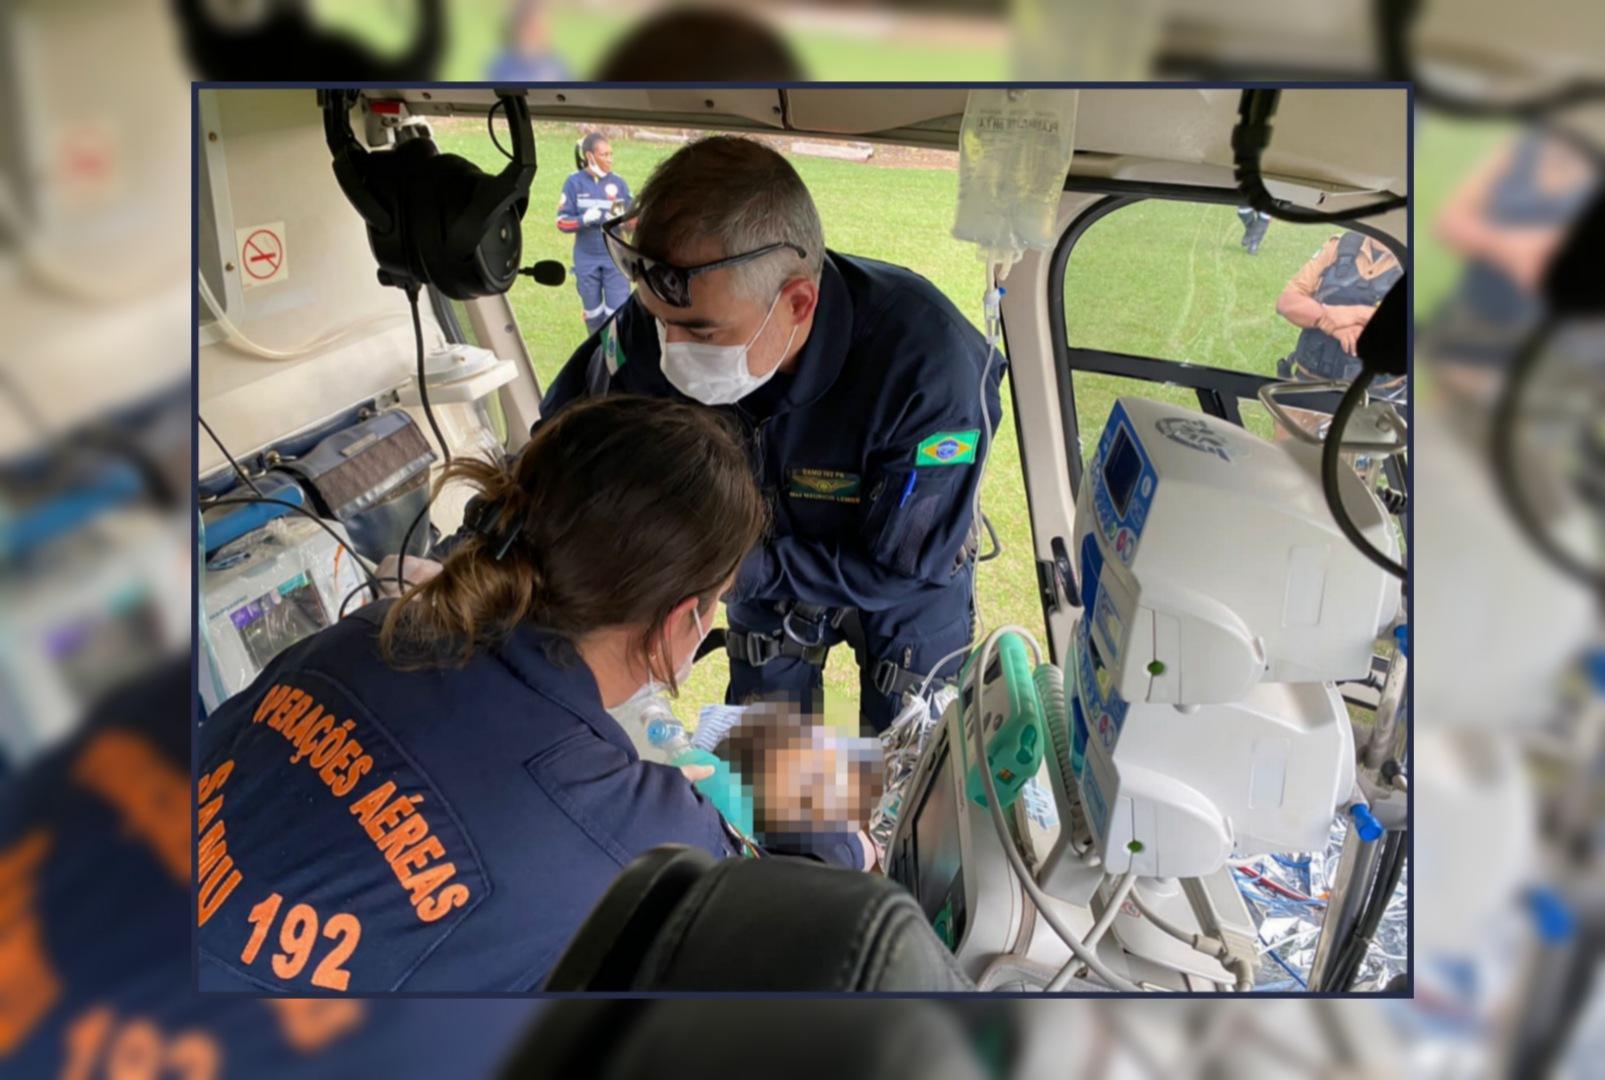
x=590 y=196
x=1256 y=223
x=861 y=388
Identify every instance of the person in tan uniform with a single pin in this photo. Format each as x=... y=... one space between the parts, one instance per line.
x=1330 y=300
x=1506 y=221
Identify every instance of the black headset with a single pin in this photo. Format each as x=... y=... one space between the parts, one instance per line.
x=286 y=44
x=436 y=219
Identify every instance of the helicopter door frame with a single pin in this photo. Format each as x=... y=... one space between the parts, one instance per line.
x=494 y=326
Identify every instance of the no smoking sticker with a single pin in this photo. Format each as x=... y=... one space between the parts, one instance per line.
x=264 y=257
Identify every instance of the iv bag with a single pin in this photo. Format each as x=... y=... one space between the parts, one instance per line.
x=1092 y=40
x=1015 y=148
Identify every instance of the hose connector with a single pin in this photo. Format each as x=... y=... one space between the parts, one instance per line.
x=1365 y=823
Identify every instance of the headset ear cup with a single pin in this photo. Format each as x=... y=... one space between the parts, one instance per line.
x=484 y=242
x=434 y=187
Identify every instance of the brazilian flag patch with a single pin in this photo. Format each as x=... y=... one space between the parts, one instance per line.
x=826 y=484
x=949 y=448
x=610 y=347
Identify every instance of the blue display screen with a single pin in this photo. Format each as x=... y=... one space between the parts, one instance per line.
x=1120 y=471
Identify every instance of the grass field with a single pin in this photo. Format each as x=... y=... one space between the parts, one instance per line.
x=1171 y=280
x=1158 y=278
x=581 y=36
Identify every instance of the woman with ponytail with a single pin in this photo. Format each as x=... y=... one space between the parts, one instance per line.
x=431 y=794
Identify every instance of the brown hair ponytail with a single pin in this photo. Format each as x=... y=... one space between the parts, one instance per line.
x=616 y=511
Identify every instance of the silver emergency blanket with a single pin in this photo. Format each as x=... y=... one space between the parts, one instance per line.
x=903 y=742
x=1286 y=895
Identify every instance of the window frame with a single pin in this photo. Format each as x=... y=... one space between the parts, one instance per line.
x=1219 y=390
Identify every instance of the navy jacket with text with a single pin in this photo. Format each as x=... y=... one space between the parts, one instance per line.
x=443 y=828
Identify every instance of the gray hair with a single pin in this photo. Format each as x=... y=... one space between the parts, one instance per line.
x=743 y=195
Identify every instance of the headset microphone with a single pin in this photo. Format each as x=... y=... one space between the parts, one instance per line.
x=547 y=272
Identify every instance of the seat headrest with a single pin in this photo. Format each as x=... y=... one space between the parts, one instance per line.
x=679 y=920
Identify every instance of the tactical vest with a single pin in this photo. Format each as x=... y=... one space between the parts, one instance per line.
x=1318 y=352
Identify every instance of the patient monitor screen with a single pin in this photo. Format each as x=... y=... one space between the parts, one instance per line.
x=273 y=622
x=938 y=860
x=1121 y=470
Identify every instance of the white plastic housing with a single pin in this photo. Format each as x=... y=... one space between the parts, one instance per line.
x=1176 y=793
x=289 y=572
x=1210 y=561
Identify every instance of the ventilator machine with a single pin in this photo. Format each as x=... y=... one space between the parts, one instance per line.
x=1195 y=721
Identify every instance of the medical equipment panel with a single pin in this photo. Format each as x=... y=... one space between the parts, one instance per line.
x=1209 y=561
x=270 y=589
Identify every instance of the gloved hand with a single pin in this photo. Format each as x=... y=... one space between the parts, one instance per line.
x=719 y=785
x=592 y=216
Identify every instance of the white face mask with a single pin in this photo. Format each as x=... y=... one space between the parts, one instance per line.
x=715 y=374
x=684 y=671
x=654 y=686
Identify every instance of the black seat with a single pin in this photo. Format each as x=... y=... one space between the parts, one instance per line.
x=677 y=919
x=724 y=1038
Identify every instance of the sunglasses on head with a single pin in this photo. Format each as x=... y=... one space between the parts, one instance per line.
x=669 y=283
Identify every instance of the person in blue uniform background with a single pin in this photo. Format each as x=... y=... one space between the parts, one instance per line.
x=590 y=196
x=1256 y=223
x=431 y=794
x=527 y=54
x=1331 y=299
x=867 y=399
